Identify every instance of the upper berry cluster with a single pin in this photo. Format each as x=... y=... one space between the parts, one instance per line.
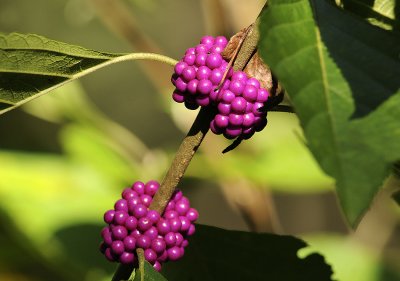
x=132 y=225
x=239 y=99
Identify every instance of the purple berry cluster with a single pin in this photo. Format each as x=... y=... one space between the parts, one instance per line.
x=199 y=72
x=238 y=100
x=239 y=105
x=132 y=225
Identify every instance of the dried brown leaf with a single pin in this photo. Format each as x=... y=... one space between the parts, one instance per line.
x=232 y=45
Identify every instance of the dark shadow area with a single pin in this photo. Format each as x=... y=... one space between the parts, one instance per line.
x=81 y=245
x=217 y=254
x=367 y=56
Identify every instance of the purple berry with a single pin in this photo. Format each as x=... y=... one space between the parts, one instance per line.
x=204 y=87
x=103 y=246
x=158 y=245
x=185 y=223
x=192 y=214
x=131 y=223
x=240 y=76
x=214 y=128
x=127 y=258
x=203 y=73
x=201 y=59
x=139 y=211
x=117 y=247
x=132 y=203
x=151 y=187
x=188 y=73
x=221 y=40
x=192 y=86
x=163 y=227
x=203 y=101
x=152 y=232
x=174 y=253
x=180 y=85
x=239 y=105
x=170 y=239
x=207 y=40
x=237 y=87
x=143 y=242
x=191 y=230
x=109 y=216
x=189 y=59
x=179 y=67
x=262 y=95
x=109 y=255
x=146 y=199
x=157 y=266
x=163 y=257
x=182 y=206
x=216 y=76
x=138 y=187
x=128 y=193
x=170 y=206
x=119 y=232
x=177 y=195
x=224 y=108
x=150 y=255
x=232 y=132
x=120 y=217
x=256 y=109
x=107 y=236
x=214 y=61
x=144 y=224
x=201 y=49
x=227 y=96
x=179 y=238
x=121 y=205
x=129 y=243
x=175 y=224
x=153 y=216
x=235 y=119
x=254 y=82
x=170 y=214
x=185 y=243
x=217 y=49
x=248 y=119
x=135 y=233
x=221 y=121
x=190 y=51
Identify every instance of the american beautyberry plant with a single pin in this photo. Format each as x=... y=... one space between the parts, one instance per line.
x=297 y=57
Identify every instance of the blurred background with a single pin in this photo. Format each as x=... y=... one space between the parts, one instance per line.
x=66 y=157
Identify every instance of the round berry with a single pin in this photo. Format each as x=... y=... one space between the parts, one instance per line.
x=201 y=59
x=232 y=132
x=120 y=217
x=203 y=73
x=240 y=76
x=239 y=105
x=158 y=245
x=189 y=59
x=207 y=40
x=170 y=239
x=144 y=224
x=109 y=216
x=129 y=243
x=204 y=86
x=221 y=121
x=163 y=227
x=151 y=187
x=177 y=195
x=139 y=211
x=235 y=119
x=192 y=86
x=214 y=61
x=175 y=224
x=237 y=87
x=143 y=242
x=139 y=186
x=153 y=216
x=128 y=193
x=132 y=203
x=150 y=255
x=201 y=49
x=227 y=96
x=170 y=214
x=163 y=257
x=217 y=49
x=224 y=108
x=170 y=206
x=179 y=67
x=131 y=223
x=216 y=76
x=146 y=199
x=254 y=82
x=192 y=214
x=248 y=119
x=121 y=205
x=257 y=106
x=127 y=258
x=185 y=223
x=191 y=230
x=188 y=73
x=185 y=243
x=179 y=238
x=152 y=232
x=157 y=266
x=190 y=51
x=262 y=95
x=182 y=206
x=221 y=40
x=107 y=236
x=174 y=253
x=117 y=247
x=119 y=232
x=203 y=100
x=109 y=255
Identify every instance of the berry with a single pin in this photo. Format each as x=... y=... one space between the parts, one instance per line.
x=199 y=72
x=131 y=225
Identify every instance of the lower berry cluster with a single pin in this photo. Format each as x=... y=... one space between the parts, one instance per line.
x=239 y=99
x=132 y=225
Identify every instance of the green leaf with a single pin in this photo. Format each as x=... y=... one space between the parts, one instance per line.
x=342 y=77
x=146 y=272
x=217 y=254
x=32 y=65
